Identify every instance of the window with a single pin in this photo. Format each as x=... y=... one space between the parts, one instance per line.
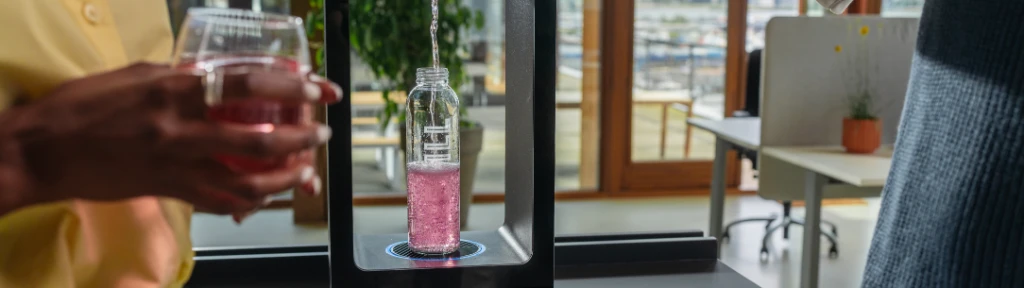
x=902 y=8
x=758 y=14
x=377 y=159
x=678 y=73
x=815 y=9
x=577 y=93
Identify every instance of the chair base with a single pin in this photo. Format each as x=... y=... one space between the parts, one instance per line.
x=783 y=223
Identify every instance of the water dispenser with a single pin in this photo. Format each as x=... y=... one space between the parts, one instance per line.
x=519 y=253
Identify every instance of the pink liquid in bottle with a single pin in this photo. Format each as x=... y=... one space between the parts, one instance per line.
x=254 y=114
x=433 y=207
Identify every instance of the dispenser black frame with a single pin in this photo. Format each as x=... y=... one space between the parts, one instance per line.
x=521 y=252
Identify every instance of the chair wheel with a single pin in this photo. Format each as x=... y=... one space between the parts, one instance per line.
x=725 y=235
x=763 y=256
x=835 y=231
x=833 y=252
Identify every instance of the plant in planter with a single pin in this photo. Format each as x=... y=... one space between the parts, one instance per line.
x=393 y=38
x=314 y=29
x=862 y=129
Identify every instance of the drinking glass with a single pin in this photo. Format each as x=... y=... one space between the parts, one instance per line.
x=217 y=43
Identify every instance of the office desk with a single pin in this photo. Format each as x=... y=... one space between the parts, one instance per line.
x=742 y=132
x=821 y=164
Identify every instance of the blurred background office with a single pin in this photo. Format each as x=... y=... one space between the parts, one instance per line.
x=633 y=76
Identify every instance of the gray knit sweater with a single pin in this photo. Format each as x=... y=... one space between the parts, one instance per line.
x=953 y=208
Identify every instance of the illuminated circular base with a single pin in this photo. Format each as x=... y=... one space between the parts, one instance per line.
x=467 y=249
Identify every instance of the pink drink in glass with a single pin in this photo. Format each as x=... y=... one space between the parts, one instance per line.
x=254 y=114
x=433 y=207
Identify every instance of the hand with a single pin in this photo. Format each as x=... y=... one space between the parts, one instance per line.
x=143 y=131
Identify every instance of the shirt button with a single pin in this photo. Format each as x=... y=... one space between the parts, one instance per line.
x=90 y=13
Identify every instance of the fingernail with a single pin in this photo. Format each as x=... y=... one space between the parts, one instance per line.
x=312 y=91
x=267 y=200
x=307 y=188
x=238 y=217
x=337 y=92
x=323 y=133
x=317 y=185
x=307 y=174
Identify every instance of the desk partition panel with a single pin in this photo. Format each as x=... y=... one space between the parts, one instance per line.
x=811 y=65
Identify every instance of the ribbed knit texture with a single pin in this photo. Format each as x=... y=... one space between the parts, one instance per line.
x=953 y=210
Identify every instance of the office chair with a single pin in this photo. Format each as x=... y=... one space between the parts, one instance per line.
x=752 y=108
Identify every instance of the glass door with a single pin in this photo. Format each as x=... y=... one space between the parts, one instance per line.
x=683 y=66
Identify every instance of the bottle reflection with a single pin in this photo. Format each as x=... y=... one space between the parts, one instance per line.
x=439 y=263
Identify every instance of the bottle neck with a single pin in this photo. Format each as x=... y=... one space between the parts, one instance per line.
x=432 y=76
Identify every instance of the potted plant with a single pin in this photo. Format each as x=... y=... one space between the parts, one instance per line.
x=862 y=130
x=393 y=38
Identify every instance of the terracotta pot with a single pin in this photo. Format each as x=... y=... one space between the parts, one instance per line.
x=862 y=136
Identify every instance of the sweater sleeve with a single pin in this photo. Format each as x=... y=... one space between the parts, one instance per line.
x=953 y=210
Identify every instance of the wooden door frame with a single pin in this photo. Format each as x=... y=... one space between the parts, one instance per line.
x=866 y=7
x=619 y=174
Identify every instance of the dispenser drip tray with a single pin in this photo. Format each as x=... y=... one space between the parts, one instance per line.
x=467 y=249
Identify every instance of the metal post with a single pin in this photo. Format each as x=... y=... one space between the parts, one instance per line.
x=647 y=64
x=813 y=183
x=693 y=71
x=718 y=191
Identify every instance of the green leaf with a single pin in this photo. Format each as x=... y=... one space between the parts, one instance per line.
x=479 y=20
x=384 y=116
x=393 y=38
x=319 y=58
x=309 y=25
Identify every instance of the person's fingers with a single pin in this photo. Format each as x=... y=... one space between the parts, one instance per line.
x=194 y=94
x=204 y=139
x=330 y=92
x=219 y=202
x=313 y=187
x=183 y=88
x=238 y=217
x=256 y=187
x=286 y=87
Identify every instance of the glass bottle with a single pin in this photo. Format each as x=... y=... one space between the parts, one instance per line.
x=432 y=157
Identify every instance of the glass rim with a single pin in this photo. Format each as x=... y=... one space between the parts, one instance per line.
x=231 y=16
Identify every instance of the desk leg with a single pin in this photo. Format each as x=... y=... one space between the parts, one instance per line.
x=813 y=183
x=718 y=191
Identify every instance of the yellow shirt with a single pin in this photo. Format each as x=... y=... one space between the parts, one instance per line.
x=143 y=242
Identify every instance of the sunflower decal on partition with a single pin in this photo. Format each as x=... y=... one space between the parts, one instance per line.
x=861 y=126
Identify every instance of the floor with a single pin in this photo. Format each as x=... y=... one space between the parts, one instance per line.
x=781 y=269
